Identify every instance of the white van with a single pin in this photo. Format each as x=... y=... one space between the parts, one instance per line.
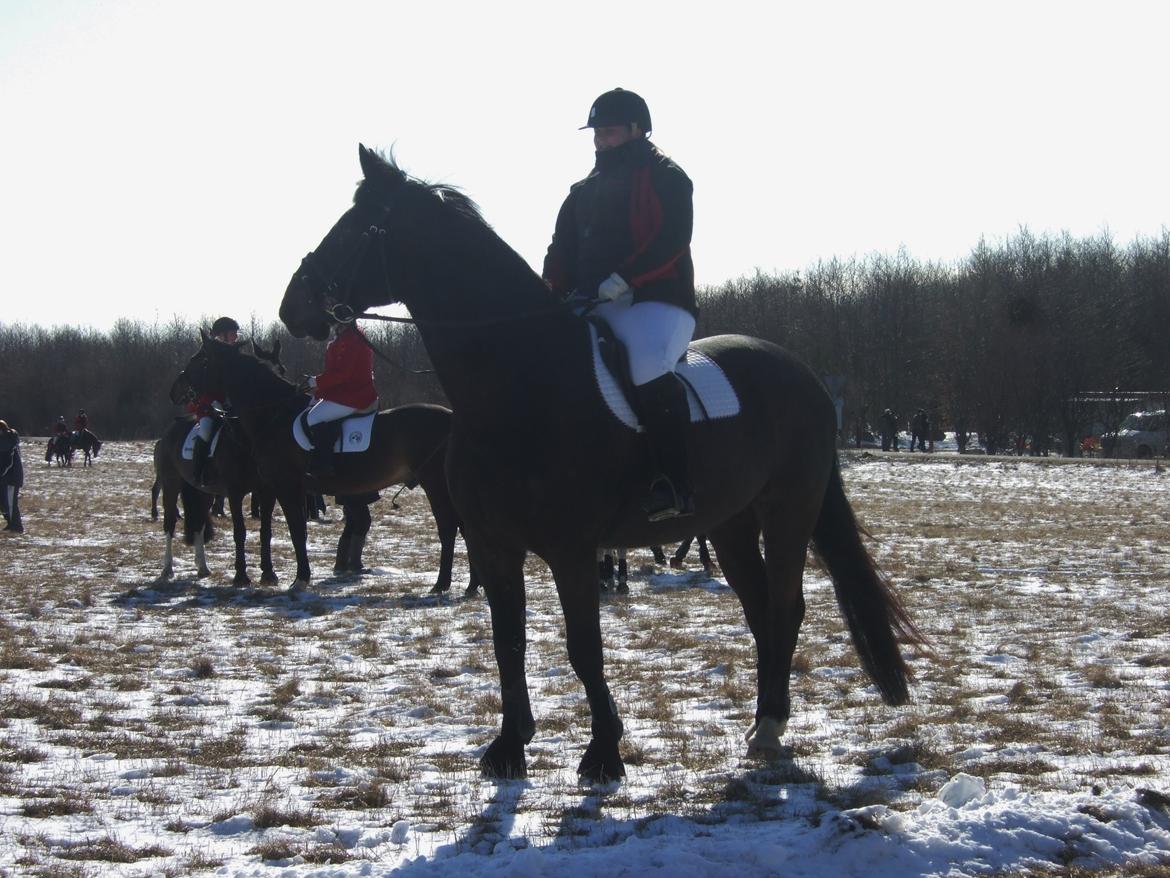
x=1142 y=434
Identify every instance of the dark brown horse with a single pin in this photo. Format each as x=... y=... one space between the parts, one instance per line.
x=536 y=462
x=407 y=446
x=231 y=472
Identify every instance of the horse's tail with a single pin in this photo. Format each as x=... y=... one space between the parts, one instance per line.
x=196 y=514
x=876 y=618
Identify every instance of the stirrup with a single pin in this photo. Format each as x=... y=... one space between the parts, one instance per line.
x=665 y=501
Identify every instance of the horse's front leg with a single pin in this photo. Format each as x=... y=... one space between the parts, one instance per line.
x=292 y=503
x=503 y=577
x=267 y=501
x=240 y=532
x=576 y=578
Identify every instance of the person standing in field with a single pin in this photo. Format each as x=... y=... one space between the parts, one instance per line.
x=11 y=477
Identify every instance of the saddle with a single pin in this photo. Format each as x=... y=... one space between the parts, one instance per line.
x=189 y=442
x=355 y=434
x=709 y=392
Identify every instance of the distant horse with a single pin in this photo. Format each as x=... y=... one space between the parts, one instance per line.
x=88 y=443
x=60 y=449
x=407 y=446
x=536 y=461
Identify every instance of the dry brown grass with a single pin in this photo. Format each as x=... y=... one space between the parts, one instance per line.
x=1047 y=615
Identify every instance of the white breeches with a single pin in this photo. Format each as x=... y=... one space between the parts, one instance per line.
x=206 y=424
x=655 y=334
x=327 y=410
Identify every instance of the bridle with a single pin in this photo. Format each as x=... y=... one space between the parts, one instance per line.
x=330 y=291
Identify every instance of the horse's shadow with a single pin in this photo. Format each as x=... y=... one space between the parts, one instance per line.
x=780 y=790
x=192 y=593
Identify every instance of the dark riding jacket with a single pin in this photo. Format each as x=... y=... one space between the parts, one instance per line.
x=11 y=468
x=631 y=216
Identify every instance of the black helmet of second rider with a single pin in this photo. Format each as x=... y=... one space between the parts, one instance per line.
x=619 y=107
x=225 y=329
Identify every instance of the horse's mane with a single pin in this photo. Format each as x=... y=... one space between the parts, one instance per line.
x=385 y=184
x=378 y=188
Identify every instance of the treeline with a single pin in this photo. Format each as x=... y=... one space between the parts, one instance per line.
x=1040 y=337
x=122 y=378
x=1013 y=340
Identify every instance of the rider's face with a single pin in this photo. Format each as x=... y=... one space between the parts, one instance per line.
x=228 y=336
x=611 y=136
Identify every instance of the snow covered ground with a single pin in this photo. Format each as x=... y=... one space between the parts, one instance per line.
x=190 y=728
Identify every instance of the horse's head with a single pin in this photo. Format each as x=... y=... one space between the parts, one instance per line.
x=204 y=371
x=271 y=357
x=348 y=271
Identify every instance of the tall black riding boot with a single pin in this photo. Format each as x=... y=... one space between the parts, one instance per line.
x=665 y=415
x=323 y=436
x=199 y=457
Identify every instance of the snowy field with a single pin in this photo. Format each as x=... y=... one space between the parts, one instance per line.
x=192 y=729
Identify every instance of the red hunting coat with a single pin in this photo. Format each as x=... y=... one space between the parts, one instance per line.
x=348 y=378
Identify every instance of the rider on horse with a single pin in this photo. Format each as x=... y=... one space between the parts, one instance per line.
x=60 y=430
x=345 y=388
x=81 y=422
x=623 y=235
x=204 y=405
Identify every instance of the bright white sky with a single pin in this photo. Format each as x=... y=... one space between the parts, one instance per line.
x=164 y=158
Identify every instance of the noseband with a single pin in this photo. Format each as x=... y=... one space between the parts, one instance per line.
x=330 y=291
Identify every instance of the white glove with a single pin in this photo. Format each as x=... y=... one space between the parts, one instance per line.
x=612 y=287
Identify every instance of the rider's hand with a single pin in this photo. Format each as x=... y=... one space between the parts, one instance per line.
x=612 y=287
x=308 y=382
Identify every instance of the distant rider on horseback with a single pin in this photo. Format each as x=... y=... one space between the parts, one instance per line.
x=60 y=430
x=81 y=422
x=204 y=406
x=623 y=235
x=345 y=388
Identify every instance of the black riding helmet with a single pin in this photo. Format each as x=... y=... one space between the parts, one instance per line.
x=224 y=324
x=618 y=107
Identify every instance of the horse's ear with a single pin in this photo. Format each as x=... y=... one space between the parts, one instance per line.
x=203 y=335
x=369 y=160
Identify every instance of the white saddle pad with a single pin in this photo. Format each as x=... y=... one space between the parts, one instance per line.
x=355 y=433
x=189 y=442
x=702 y=377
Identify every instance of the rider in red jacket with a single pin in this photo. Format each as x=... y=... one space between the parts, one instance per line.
x=346 y=387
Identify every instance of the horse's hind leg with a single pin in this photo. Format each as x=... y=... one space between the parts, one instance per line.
x=738 y=545
x=447 y=523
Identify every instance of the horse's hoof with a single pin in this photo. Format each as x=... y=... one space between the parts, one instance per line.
x=764 y=739
x=601 y=763
x=440 y=588
x=504 y=759
x=471 y=591
x=203 y=573
x=241 y=580
x=167 y=575
x=268 y=578
x=298 y=586
x=623 y=588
